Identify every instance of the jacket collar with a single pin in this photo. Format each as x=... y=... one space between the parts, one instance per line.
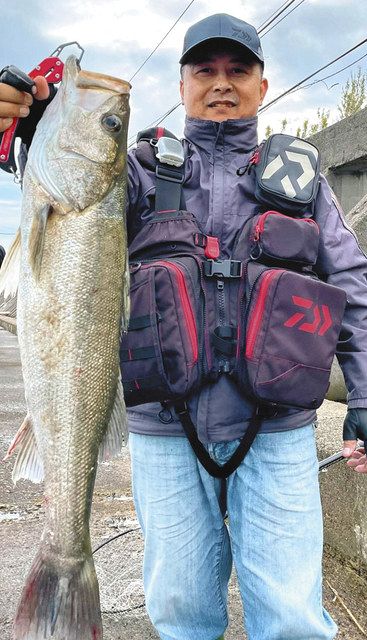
x=235 y=135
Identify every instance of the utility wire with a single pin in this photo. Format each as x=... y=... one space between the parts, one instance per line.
x=263 y=26
x=281 y=19
x=155 y=123
x=295 y=87
x=273 y=17
x=266 y=22
x=331 y=75
x=298 y=85
x=160 y=42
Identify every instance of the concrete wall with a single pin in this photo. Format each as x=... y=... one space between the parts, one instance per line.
x=343 y=148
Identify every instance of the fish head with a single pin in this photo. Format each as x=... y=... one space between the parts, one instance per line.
x=79 y=148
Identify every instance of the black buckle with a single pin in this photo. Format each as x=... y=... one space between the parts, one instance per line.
x=223 y=268
x=169 y=173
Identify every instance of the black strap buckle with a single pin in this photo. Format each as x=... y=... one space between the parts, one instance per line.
x=223 y=268
x=169 y=173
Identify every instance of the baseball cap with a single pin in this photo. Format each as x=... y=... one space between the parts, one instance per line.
x=223 y=26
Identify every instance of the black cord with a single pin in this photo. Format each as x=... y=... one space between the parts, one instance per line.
x=119 y=535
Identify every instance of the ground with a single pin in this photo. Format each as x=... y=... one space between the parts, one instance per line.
x=118 y=562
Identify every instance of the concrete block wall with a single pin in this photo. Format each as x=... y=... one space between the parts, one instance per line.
x=343 y=491
x=343 y=148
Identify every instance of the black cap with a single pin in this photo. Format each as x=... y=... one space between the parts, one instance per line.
x=223 y=26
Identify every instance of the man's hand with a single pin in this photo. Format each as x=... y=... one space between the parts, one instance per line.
x=15 y=104
x=355 y=426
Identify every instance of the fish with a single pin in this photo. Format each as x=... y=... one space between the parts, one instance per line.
x=73 y=305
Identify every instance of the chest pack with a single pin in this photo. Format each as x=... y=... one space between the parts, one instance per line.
x=261 y=317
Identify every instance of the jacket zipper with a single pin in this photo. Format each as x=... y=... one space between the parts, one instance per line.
x=257 y=313
x=186 y=306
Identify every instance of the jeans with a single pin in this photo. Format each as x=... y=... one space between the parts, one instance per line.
x=274 y=536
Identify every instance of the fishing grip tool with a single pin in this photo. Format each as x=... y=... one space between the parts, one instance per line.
x=50 y=68
x=335 y=457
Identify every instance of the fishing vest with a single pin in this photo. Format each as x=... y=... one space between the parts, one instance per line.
x=262 y=316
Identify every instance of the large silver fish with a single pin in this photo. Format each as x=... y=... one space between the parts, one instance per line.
x=72 y=304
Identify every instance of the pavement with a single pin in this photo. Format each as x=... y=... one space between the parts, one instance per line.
x=119 y=561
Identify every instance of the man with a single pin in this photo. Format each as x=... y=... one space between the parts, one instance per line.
x=275 y=525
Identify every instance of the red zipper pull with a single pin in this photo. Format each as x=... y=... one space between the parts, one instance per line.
x=254 y=160
x=256 y=236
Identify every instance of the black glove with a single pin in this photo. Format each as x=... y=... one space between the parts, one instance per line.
x=355 y=426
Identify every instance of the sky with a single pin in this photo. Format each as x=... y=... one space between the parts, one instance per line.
x=118 y=36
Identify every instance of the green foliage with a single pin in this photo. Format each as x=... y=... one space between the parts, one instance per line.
x=353 y=94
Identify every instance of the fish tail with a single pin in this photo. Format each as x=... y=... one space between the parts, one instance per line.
x=59 y=605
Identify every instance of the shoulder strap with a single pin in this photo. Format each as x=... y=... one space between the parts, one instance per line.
x=159 y=150
x=214 y=469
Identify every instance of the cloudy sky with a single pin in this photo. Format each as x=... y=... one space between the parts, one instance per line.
x=118 y=35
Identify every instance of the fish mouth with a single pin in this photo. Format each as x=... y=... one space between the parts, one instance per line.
x=93 y=80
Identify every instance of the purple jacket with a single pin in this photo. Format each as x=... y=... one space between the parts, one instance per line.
x=222 y=201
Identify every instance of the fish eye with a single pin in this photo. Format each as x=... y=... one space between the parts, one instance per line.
x=111 y=123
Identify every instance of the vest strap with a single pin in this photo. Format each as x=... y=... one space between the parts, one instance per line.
x=214 y=469
x=168 y=187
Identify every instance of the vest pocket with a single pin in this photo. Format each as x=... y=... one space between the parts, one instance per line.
x=159 y=354
x=291 y=328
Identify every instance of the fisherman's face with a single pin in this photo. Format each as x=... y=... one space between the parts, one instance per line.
x=222 y=86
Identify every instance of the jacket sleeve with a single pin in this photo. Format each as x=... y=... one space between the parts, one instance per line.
x=342 y=262
x=140 y=194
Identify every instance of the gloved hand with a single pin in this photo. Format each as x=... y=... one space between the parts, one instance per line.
x=355 y=426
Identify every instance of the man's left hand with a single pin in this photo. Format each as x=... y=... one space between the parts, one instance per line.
x=355 y=426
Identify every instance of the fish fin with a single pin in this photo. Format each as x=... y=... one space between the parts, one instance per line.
x=59 y=605
x=9 y=272
x=28 y=464
x=37 y=239
x=116 y=434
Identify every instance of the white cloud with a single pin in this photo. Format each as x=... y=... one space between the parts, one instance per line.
x=119 y=34
x=115 y=25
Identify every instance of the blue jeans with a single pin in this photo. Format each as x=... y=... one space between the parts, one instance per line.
x=274 y=537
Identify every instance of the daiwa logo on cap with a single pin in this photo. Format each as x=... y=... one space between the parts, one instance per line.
x=241 y=34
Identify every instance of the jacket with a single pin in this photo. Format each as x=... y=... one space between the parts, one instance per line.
x=222 y=201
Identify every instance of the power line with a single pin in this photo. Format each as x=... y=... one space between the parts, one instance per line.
x=278 y=12
x=263 y=26
x=332 y=75
x=298 y=85
x=281 y=19
x=155 y=123
x=160 y=42
x=265 y=23
x=295 y=87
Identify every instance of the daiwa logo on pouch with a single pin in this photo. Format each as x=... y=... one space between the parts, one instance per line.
x=320 y=318
x=294 y=168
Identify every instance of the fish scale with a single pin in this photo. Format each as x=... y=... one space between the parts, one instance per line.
x=72 y=306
